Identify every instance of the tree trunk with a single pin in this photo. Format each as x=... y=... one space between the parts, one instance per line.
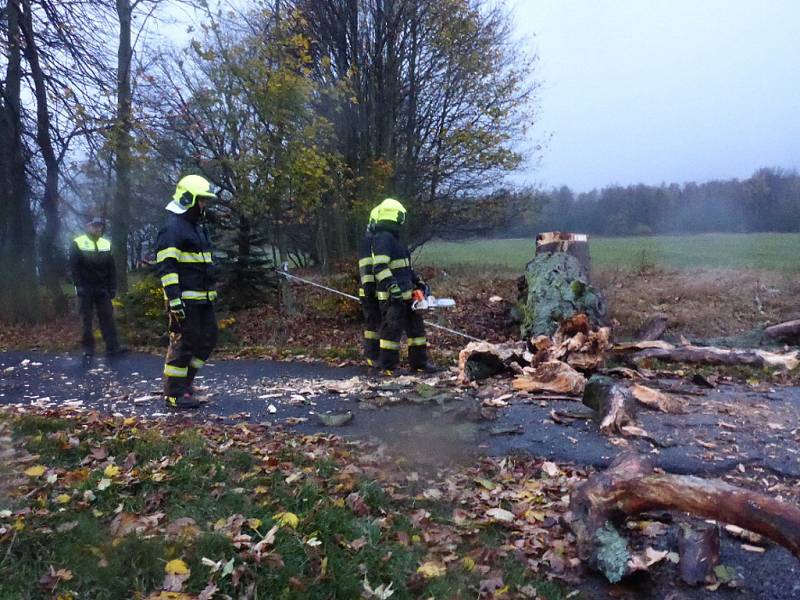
x=120 y=222
x=284 y=286
x=52 y=257
x=631 y=486
x=789 y=331
x=17 y=249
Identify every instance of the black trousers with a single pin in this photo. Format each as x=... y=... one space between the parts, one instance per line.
x=399 y=318
x=372 y=326
x=88 y=303
x=190 y=344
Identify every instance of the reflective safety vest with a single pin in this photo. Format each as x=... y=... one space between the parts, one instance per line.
x=185 y=262
x=92 y=265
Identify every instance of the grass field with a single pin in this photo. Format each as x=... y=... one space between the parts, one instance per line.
x=774 y=252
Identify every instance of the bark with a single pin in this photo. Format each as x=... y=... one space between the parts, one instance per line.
x=574 y=244
x=614 y=405
x=285 y=288
x=631 y=486
x=52 y=258
x=710 y=355
x=557 y=289
x=121 y=212
x=699 y=553
x=789 y=331
x=17 y=250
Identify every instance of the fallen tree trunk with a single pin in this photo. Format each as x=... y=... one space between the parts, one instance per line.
x=710 y=355
x=631 y=486
x=789 y=330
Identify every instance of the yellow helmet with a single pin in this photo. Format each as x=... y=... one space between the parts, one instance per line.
x=373 y=216
x=390 y=210
x=187 y=191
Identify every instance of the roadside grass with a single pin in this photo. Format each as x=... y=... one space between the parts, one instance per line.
x=760 y=251
x=104 y=506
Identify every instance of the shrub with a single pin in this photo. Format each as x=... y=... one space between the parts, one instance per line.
x=140 y=313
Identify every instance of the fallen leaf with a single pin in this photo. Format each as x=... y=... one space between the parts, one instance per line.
x=111 y=471
x=176 y=567
x=431 y=569
x=35 y=471
x=500 y=514
x=551 y=469
x=287 y=519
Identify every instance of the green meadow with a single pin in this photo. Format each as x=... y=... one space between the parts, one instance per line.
x=760 y=251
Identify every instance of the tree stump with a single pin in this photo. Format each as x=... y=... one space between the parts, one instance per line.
x=556 y=285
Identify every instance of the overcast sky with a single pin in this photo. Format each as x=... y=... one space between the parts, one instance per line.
x=664 y=90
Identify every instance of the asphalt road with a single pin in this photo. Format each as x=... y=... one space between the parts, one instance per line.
x=737 y=427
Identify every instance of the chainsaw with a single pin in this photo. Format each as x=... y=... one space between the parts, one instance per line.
x=422 y=302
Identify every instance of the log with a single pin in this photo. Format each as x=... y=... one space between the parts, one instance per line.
x=614 y=405
x=653 y=328
x=698 y=549
x=788 y=330
x=631 y=486
x=550 y=376
x=711 y=355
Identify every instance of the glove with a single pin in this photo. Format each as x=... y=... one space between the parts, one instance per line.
x=395 y=293
x=177 y=309
x=112 y=293
x=424 y=287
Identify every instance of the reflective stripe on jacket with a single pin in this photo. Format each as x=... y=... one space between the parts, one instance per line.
x=184 y=261
x=92 y=264
x=366 y=288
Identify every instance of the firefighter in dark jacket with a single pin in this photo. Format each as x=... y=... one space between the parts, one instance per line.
x=396 y=282
x=95 y=278
x=184 y=262
x=367 y=295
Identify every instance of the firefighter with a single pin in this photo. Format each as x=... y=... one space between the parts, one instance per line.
x=367 y=295
x=95 y=279
x=395 y=282
x=184 y=262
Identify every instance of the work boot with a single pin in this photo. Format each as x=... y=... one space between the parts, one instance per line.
x=118 y=351
x=186 y=401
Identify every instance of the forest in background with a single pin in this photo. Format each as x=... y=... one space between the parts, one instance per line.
x=301 y=112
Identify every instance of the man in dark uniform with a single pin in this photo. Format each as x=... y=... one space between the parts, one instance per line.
x=396 y=282
x=186 y=268
x=95 y=279
x=368 y=297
